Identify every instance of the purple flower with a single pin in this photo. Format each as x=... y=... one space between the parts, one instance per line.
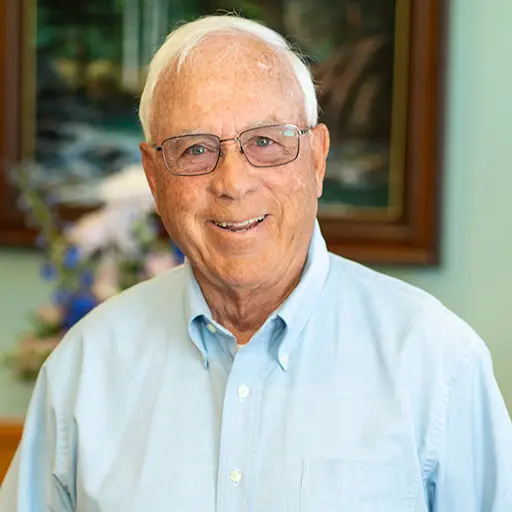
x=49 y=271
x=71 y=257
x=61 y=296
x=77 y=307
x=86 y=279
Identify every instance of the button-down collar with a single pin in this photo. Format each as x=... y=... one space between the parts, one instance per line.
x=294 y=312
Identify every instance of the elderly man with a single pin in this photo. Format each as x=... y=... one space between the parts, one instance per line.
x=265 y=374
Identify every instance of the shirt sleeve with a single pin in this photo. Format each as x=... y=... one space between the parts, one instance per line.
x=32 y=484
x=473 y=472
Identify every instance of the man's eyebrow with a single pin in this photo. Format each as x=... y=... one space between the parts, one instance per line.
x=190 y=132
x=193 y=131
x=265 y=122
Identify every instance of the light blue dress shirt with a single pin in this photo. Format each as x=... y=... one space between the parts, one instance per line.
x=359 y=394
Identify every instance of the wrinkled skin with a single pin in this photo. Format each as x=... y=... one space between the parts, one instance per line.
x=230 y=84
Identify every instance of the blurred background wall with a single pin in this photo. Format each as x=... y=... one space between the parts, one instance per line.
x=475 y=278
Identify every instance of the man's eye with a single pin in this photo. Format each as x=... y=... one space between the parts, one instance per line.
x=263 y=142
x=196 y=150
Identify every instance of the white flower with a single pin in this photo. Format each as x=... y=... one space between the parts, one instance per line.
x=129 y=188
x=127 y=198
x=90 y=233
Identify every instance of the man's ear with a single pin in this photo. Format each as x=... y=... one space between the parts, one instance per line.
x=150 y=168
x=320 y=146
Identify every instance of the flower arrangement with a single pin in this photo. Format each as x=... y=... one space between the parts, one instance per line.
x=103 y=253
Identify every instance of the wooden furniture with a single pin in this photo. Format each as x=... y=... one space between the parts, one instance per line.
x=10 y=436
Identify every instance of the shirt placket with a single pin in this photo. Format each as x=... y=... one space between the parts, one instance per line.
x=239 y=432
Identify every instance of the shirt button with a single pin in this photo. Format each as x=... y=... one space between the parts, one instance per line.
x=243 y=392
x=236 y=476
x=283 y=359
x=211 y=328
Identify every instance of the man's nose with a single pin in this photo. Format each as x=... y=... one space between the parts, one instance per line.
x=234 y=177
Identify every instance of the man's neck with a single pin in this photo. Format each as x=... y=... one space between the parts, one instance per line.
x=244 y=311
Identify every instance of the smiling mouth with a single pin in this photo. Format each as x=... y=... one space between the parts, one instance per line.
x=240 y=227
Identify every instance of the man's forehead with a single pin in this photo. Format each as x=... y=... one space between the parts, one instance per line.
x=231 y=57
x=250 y=88
x=229 y=48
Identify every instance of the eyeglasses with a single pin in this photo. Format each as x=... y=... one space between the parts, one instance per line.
x=265 y=146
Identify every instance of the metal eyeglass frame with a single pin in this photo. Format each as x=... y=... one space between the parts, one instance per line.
x=237 y=139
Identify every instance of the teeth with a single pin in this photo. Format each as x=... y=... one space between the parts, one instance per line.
x=240 y=224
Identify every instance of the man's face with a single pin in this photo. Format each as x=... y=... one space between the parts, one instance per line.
x=247 y=86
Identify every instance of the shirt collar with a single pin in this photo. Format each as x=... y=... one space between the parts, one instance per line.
x=196 y=308
x=295 y=311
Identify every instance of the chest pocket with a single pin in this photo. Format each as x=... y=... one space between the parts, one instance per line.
x=351 y=486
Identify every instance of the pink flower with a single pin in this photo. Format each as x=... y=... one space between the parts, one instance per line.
x=159 y=262
x=106 y=282
x=49 y=314
x=32 y=353
x=103 y=290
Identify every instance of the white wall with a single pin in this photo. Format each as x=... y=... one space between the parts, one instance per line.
x=475 y=279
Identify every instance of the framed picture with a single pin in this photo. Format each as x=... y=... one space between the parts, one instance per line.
x=72 y=72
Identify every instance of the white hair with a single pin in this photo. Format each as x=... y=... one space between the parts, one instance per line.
x=180 y=43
